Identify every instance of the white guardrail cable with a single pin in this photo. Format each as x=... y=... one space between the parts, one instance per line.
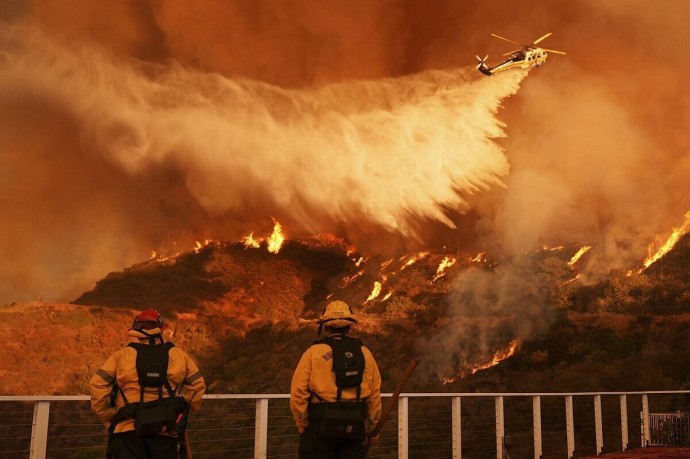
x=426 y=425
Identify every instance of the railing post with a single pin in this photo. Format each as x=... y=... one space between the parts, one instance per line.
x=457 y=428
x=261 y=428
x=570 y=425
x=39 y=430
x=536 y=422
x=624 y=422
x=500 y=427
x=599 y=431
x=646 y=437
x=402 y=427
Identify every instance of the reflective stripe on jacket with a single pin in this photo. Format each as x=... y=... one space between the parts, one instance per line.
x=314 y=375
x=121 y=367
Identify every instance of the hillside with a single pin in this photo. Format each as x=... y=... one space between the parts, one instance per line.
x=246 y=315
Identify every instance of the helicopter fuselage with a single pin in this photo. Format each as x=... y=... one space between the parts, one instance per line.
x=525 y=58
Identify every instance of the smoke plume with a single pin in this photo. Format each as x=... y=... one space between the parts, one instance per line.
x=384 y=153
x=131 y=125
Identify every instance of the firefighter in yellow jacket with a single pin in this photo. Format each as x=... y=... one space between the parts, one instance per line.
x=325 y=407
x=117 y=395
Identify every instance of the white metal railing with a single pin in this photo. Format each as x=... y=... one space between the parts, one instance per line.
x=578 y=426
x=669 y=429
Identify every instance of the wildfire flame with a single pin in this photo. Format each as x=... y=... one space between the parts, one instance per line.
x=414 y=259
x=479 y=258
x=578 y=255
x=275 y=240
x=572 y=280
x=388 y=295
x=497 y=358
x=250 y=242
x=654 y=254
x=385 y=264
x=347 y=280
x=375 y=292
x=200 y=245
x=446 y=263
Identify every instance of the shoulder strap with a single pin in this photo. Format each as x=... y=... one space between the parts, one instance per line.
x=348 y=362
x=152 y=367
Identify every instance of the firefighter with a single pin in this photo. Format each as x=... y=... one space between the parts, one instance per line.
x=325 y=404
x=118 y=392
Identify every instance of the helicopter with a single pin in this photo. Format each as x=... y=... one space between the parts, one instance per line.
x=527 y=57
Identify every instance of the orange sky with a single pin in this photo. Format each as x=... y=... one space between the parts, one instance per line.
x=127 y=126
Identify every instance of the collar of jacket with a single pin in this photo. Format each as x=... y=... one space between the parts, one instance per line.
x=143 y=337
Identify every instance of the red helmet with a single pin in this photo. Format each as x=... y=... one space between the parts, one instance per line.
x=148 y=320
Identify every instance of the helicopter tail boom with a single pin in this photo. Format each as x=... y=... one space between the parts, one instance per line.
x=482 y=67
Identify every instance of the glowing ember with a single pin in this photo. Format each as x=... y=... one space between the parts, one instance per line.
x=414 y=259
x=551 y=249
x=385 y=264
x=654 y=254
x=479 y=258
x=347 y=280
x=375 y=292
x=446 y=263
x=154 y=255
x=572 y=280
x=359 y=261
x=275 y=240
x=388 y=295
x=578 y=255
x=497 y=358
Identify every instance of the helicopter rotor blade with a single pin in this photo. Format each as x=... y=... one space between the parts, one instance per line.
x=541 y=38
x=553 y=51
x=508 y=54
x=503 y=38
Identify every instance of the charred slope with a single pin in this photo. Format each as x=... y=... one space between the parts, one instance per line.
x=277 y=285
x=245 y=315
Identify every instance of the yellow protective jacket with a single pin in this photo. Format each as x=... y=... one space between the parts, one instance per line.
x=121 y=368
x=314 y=375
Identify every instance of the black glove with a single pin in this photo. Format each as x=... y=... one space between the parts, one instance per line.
x=129 y=411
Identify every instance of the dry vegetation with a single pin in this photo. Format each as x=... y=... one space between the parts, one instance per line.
x=246 y=316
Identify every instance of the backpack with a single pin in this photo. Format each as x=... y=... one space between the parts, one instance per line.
x=343 y=419
x=161 y=415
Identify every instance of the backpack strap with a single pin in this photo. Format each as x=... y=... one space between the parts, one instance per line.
x=348 y=362
x=152 y=367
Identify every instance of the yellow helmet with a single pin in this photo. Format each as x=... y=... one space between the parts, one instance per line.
x=337 y=315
